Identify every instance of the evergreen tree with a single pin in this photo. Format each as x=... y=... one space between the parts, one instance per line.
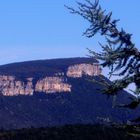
x=119 y=53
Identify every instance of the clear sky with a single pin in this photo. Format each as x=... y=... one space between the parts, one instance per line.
x=42 y=29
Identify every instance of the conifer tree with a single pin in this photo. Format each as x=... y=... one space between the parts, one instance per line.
x=119 y=53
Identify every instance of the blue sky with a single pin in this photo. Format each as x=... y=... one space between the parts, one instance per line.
x=42 y=29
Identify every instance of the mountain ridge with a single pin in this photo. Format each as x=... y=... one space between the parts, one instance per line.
x=83 y=104
x=44 y=75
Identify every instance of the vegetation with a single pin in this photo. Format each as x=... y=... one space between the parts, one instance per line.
x=41 y=68
x=119 y=53
x=74 y=132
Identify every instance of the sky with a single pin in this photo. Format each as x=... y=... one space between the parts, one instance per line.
x=44 y=29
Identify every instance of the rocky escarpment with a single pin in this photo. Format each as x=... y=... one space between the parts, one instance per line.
x=83 y=69
x=9 y=86
x=57 y=82
x=52 y=85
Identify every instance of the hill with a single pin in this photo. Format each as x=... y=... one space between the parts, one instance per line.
x=42 y=68
x=57 y=92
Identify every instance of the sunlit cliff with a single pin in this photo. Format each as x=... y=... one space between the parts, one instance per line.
x=58 y=82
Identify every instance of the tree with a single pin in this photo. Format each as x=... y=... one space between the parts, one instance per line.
x=119 y=53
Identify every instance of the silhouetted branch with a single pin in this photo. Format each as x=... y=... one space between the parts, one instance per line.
x=119 y=54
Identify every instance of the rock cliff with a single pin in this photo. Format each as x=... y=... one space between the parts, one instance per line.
x=52 y=85
x=83 y=69
x=11 y=85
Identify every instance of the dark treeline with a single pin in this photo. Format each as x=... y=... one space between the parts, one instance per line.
x=74 y=132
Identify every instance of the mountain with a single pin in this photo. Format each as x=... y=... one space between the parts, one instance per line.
x=48 y=76
x=57 y=92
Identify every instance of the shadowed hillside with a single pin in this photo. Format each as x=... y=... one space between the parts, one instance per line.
x=83 y=103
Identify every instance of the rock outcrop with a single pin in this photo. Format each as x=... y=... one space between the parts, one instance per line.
x=9 y=86
x=58 y=82
x=83 y=69
x=52 y=85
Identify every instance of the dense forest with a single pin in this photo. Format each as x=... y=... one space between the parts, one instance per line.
x=74 y=132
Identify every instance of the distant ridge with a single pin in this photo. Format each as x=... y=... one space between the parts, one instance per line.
x=29 y=68
x=57 y=92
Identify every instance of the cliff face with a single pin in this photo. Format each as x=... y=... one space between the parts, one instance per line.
x=58 y=82
x=52 y=85
x=9 y=86
x=83 y=69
